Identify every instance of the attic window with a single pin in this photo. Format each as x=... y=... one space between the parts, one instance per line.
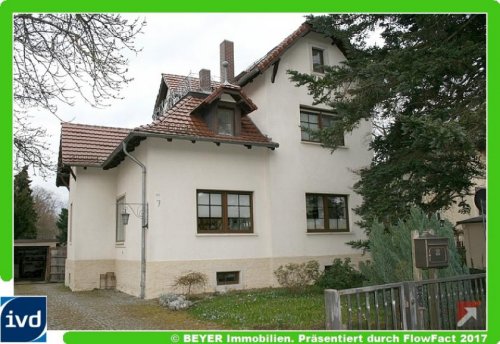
x=225 y=121
x=318 y=60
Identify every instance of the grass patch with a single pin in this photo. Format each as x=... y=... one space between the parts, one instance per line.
x=265 y=309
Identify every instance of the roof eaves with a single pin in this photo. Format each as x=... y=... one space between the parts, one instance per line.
x=269 y=144
x=476 y=219
x=115 y=157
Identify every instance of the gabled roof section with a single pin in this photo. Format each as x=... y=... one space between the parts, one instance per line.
x=273 y=55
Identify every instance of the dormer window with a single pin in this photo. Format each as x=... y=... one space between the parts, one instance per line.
x=225 y=121
x=318 y=60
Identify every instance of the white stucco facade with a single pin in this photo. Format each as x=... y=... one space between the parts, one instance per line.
x=278 y=180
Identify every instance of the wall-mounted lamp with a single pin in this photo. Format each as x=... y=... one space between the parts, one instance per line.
x=137 y=212
x=125 y=216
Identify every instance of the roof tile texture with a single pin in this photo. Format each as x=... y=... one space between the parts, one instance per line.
x=179 y=121
x=174 y=81
x=89 y=145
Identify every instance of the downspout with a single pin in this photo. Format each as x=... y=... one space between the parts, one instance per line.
x=144 y=218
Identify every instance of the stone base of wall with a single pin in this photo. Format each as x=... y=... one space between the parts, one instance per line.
x=161 y=276
x=128 y=276
x=254 y=273
x=85 y=274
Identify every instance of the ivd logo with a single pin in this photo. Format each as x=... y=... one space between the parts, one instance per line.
x=23 y=319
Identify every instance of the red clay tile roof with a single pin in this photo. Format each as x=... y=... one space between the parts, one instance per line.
x=179 y=121
x=275 y=53
x=88 y=145
x=174 y=81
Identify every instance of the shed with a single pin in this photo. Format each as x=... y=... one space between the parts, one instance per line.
x=38 y=260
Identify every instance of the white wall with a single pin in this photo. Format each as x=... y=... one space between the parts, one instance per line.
x=129 y=184
x=297 y=167
x=93 y=217
x=176 y=170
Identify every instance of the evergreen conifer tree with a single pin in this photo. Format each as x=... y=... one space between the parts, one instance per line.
x=62 y=224
x=25 y=215
x=391 y=256
x=423 y=87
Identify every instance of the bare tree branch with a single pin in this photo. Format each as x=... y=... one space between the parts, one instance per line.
x=57 y=57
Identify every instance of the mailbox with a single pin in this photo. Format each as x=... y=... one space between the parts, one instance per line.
x=431 y=252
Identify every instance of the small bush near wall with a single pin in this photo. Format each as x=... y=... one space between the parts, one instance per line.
x=340 y=275
x=297 y=276
x=190 y=281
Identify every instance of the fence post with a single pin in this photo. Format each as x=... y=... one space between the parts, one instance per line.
x=410 y=292
x=333 y=310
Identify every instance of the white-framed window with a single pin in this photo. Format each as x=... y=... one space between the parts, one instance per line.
x=120 y=227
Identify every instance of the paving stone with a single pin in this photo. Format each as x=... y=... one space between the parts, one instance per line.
x=107 y=310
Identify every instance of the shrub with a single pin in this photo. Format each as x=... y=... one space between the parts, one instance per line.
x=191 y=280
x=390 y=248
x=297 y=276
x=341 y=275
x=174 y=302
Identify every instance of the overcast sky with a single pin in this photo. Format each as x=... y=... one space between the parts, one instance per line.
x=177 y=44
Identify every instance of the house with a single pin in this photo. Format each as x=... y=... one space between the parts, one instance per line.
x=233 y=186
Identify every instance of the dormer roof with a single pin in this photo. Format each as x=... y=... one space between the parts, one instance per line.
x=183 y=121
x=241 y=99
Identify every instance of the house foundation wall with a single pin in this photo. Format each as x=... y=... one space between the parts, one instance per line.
x=161 y=276
x=83 y=275
x=253 y=273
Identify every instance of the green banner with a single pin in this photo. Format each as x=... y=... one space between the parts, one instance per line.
x=278 y=337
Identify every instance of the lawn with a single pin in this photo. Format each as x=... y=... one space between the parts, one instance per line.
x=265 y=309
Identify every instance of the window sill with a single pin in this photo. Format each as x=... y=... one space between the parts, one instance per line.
x=225 y=234
x=120 y=245
x=320 y=144
x=320 y=74
x=329 y=233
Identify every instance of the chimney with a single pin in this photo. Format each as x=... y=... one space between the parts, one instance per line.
x=205 y=82
x=227 y=54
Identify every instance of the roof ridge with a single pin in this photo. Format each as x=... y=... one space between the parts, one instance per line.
x=93 y=126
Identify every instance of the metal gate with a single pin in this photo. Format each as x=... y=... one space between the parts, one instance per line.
x=57 y=264
x=442 y=304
